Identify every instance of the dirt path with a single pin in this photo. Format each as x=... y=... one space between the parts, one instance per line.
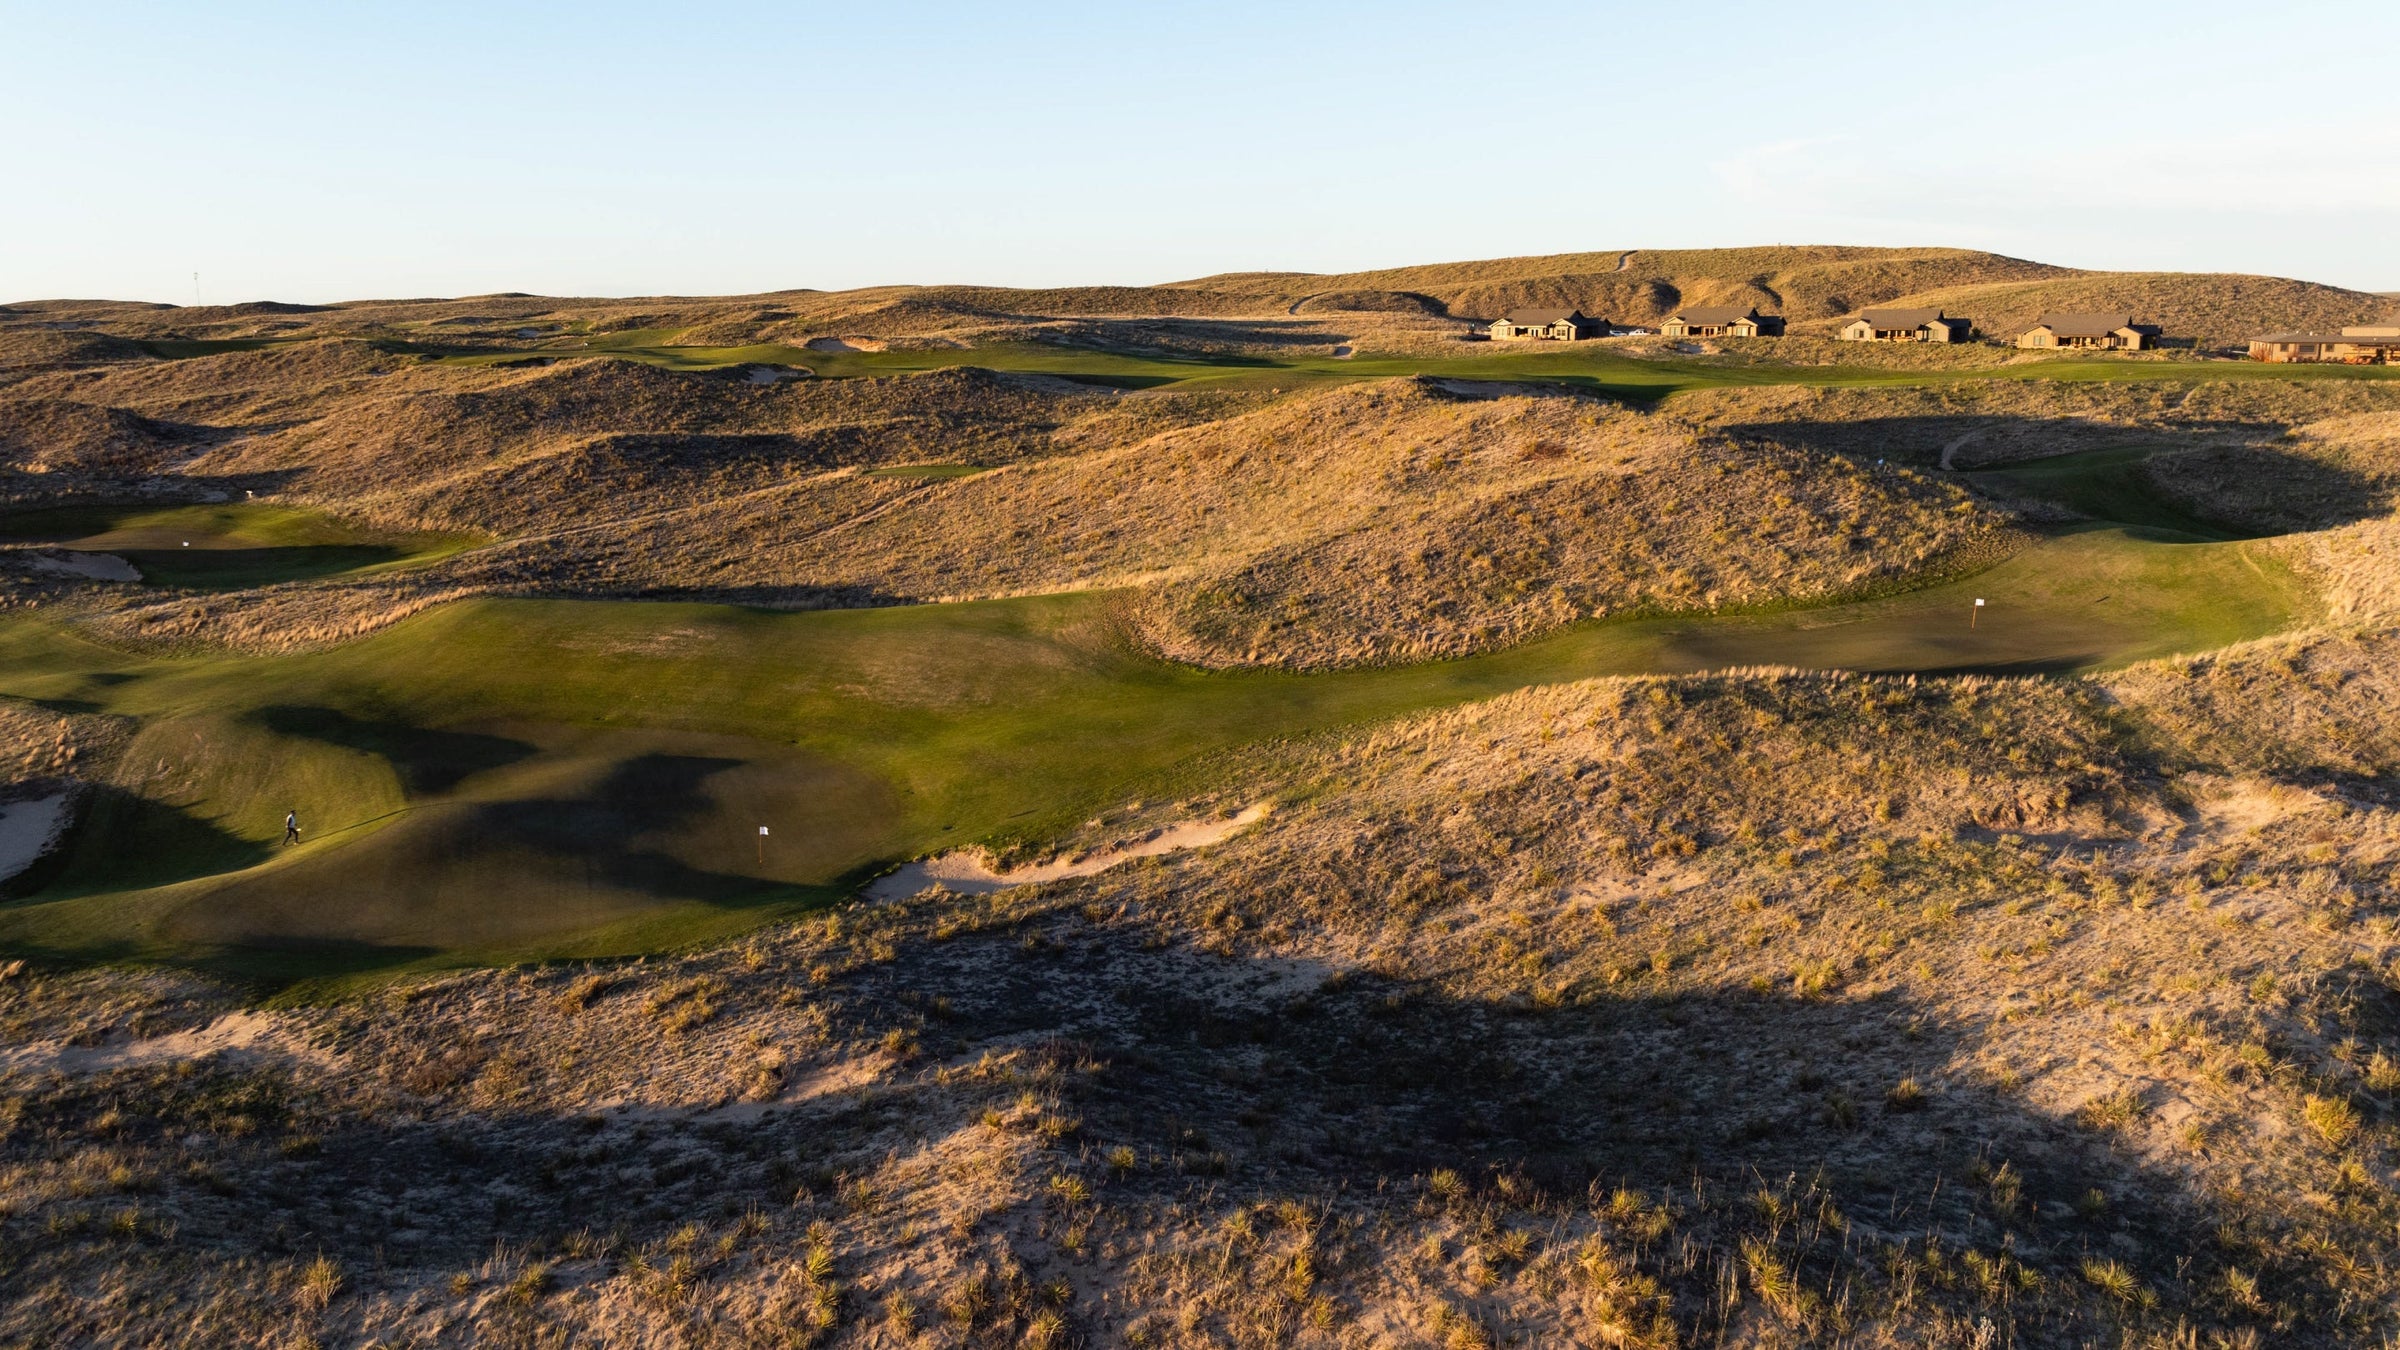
x=971 y=874
x=1952 y=449
x=247 y=1034
x=1627 y=260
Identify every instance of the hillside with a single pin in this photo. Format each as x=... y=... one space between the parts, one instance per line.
x=1207 y=815
x=2212 y=309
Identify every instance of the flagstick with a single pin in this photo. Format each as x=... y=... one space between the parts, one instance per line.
x=1974 y=614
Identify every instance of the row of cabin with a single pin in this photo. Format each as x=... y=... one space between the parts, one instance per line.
x=1573 y=325
x=2114 y=332
x=2367 y=345
x=2373 y=345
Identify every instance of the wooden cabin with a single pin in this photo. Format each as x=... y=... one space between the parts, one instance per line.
x=1554 y=325
x=2367 y=345
x=1707 y=321
x=2093 y=332
x=1906 y=325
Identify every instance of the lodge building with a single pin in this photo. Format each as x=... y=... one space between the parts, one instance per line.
x=1906 y=325
x=2094 y=332
x=2367 y=345
x=1707 y=321
x=1554 y=325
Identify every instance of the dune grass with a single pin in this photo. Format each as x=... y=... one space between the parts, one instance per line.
x=503 y=780
x=229 y=546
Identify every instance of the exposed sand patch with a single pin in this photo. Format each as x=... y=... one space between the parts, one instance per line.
x=1344 y=353
x=835 y=344
x=1950 y=451
x=96 y=566
x=28 y=829
x=971 y=874
x=773 y=374
x=242 y=1034
x=2233 y=808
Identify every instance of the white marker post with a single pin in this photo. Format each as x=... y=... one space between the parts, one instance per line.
x=762 y=845
x=1972 y=616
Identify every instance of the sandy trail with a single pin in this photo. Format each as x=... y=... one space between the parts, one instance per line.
x=244 y=1034
x=1950 y=451
x=27 y=830
x=970 y=874
x=1627 y=260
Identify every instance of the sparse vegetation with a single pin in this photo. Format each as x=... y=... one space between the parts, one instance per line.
x=1643 y=983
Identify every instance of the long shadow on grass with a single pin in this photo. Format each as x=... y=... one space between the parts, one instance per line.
x=428 y=761
x=233 y=569
x=124 y=841
x=1696 y=1136
x=2215 y=480
x=1742 y=1111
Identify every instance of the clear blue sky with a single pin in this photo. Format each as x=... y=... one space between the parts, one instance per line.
x=326 y=151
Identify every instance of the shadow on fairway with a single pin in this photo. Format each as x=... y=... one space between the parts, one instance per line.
x=488 y=875
x=2234 y=483
x=122 y=841
x=234 y=569
x=428 y=762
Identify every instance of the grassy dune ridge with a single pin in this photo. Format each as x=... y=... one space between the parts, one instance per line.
x=1648 y=902
x=497 y=748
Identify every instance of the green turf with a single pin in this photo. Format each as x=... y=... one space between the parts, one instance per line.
x=500 y=780
x=226 y=547
x=1588 y=367
x=2108 y=484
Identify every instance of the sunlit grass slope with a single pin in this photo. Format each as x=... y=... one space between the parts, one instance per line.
x=503 y=779
x=228 y=546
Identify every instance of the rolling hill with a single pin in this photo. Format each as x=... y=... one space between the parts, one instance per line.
x=1215 y=814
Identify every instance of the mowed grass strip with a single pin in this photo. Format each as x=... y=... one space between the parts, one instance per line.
x=228 y=546
x=1590 y=367
x=504 y=780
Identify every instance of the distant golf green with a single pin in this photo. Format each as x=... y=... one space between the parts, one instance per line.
x=1588 y=366
x=515 y=779
x=2107 y=484
x=1593 y=367
x=225 y=547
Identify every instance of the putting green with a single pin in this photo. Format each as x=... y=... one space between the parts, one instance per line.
x=226 y=547
x=510 y=779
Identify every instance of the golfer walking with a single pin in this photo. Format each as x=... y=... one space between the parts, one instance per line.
x=291 y=827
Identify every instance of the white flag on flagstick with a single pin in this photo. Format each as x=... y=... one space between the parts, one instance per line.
x=763 y=829
x=1978 y=605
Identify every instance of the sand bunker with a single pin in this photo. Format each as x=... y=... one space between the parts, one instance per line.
x=1344 y=353
x=834 y=344
x=96 y=566
x=28 y=829
x=970 y=874
x=773 y=374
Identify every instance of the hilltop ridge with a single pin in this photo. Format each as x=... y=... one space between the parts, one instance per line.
x=1810 y=284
